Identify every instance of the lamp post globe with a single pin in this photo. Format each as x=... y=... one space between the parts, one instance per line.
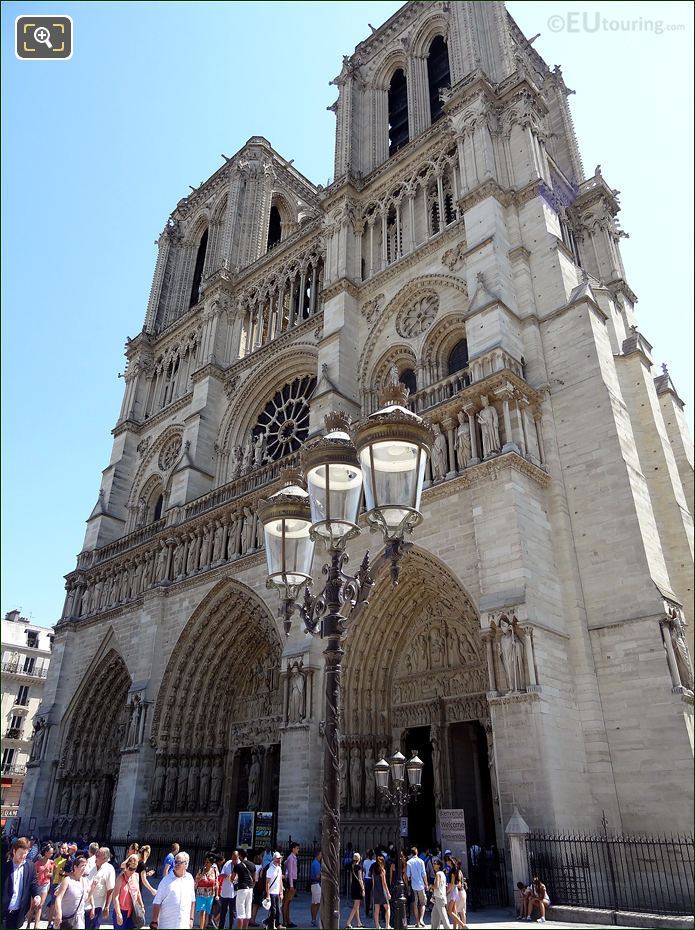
x=334 y=481
x=392 y=446
x=289 y=548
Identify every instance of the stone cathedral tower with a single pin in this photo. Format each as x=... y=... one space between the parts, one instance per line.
x=536 y=650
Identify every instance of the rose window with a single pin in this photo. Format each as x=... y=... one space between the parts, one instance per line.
x=285 y=419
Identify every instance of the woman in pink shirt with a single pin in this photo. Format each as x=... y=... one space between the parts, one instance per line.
x=126 y=892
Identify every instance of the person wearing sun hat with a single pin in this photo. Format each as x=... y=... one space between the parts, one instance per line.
x=274 y=891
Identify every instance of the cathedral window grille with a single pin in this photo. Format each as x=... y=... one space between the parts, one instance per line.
x=408 y=378
x=274 y=228
x=285 y=418
x=433 y=209
x=438 y=76
x=568 y=238
x=449 y=208
x=458 y=357
x=399 y=132
x=198 y=270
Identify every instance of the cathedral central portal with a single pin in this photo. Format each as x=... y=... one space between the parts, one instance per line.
x=415 y=679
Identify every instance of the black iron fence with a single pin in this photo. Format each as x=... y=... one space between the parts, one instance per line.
x=488 y=885
x=197 y=847
x=617 y=872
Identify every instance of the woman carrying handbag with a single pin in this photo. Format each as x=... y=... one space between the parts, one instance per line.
x=128 y=907
x=71 y=897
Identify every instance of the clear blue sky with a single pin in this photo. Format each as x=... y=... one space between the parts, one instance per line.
x=98 y=150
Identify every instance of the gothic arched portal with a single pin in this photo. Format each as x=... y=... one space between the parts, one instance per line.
x=217 y=713
x=416 y=678
x=91 y=751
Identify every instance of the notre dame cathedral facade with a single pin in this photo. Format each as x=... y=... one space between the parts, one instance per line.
x=537 y=649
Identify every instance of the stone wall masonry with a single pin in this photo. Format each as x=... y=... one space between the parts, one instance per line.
x=650 y=753
x=681 y=443
x=673 y=518
x=614 y=546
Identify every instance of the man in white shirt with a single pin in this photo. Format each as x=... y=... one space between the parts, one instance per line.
x=228 y=892
x=174 y=903
x=417 y=878
x=102 y=881
x=92 y=857
x=274 y=891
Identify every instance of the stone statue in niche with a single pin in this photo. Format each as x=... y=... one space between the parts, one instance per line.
x=178 y=560
x=296 y=710
x=463 y=441
x=141 y=518
x=439 y=454
x=38 y=738
x=510 y=648
x=489 y=428
x=259 y=446
x=216 y=784
x=84 y=798
x=204 y=784
x=249 y=530
x=218 y=543
x=158 y=783
x=355 y=778
x=65 y=793
x=237 y=460
x=172 y=779
x=369 y=782
x=182 y=785
x=247 y=459
x=254 y=783
x=436 y=648
x=680 y=649
x=193 y=783
x=392 y=378
x=94 y=797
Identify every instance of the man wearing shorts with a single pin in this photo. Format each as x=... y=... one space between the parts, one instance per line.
x=417 y=876
x=245 y=873
x=315 y=887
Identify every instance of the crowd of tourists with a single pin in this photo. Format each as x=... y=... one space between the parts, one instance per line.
x=74 y=887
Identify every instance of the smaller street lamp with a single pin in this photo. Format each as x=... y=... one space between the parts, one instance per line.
x=398 y=796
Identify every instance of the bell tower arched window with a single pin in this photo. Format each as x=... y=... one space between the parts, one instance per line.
x=198 y=271
x=408 y=378
x=438 y=76
x=274 y=228
x=458 y=357
x=399 y=132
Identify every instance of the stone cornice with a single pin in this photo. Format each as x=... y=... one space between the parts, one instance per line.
x=484 y=472
x=339 y=287
x=211 y=370
x=157 y=418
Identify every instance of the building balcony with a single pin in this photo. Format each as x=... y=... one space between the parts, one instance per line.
x=14 y=769
x=17 y=669
x=13 y=733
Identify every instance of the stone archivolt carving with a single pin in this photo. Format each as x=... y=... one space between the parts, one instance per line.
x=371 y=307
x=453 y=258
x=90 y=753
x=417 y=317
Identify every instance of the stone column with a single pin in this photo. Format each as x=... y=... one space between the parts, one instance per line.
x=384 y=239
x=450 y=426
x=670 y=654
x=490 y=657
x=538 y=420
x=520 y=432
x=314 y=288
x=509 y=445
x=371 y=221
x=302 y=289
x=470 y=412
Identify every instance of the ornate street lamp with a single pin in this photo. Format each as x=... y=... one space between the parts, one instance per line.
x=393 y=445
x=398 y=796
